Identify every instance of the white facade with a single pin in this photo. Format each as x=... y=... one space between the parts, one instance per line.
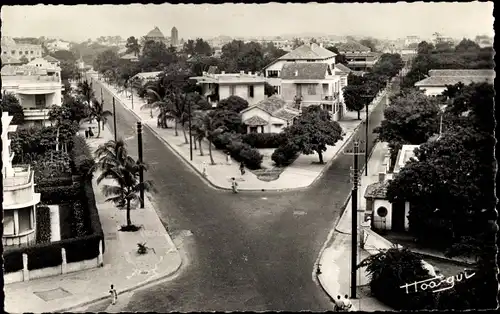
x=36 y=88
x=384 y=222
x=19 y=197
x=432 y=90
x=58 y=45
x=11 y=49
x=274 y=124
x=44 y=63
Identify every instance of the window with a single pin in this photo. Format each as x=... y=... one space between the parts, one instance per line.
x=25 y=223
x=277 y=89
x=26 y=52
x=31 y=52
x=231 y=90
x=272 y=73
x=250 y=91
x=5 y=52
x=8 y=222
x=311 y=89
x=253 y=129
x=12 y=52
x=40 y=100
x=382 y=211
x=277 y=125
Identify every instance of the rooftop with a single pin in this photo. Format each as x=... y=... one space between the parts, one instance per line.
x=304 y=71
x=352 y=46
x=310 y=52
x=342 y=68
x=462 y=73
x=50 y=59
x=155 y=33
x=377 y=190
x=229 y=78
x=276 y=107
x=255 y=121
x=404 y=155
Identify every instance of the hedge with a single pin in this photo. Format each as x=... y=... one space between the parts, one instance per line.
x=54 y=194
x=78 y=220
x=232 y=143
x=43 y=232
x=77 y=249
x=56 y=181
x=81 y=157
x=264 y=140
x=284 y=155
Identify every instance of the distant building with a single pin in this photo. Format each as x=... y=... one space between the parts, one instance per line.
x=58 y=45
x=436 y=83
x=359 y=57
x=19 y=197
x=484 y=41
x=45 y=62
x=174 y=37
x=155 y=35
x=220 y=86
x=36 y=87
x=7 y=60
x=270 y=115
x=14 y=50
x=412 y=40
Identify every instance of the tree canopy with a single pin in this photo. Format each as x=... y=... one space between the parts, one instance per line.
x=133 y=46
x=11 y=104
x=233 y=103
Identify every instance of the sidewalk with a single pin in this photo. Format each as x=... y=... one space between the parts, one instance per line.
x=301 y=174
x=123 y=267
x=335 y=260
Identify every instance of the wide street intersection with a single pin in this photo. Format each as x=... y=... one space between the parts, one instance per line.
x=251 y=251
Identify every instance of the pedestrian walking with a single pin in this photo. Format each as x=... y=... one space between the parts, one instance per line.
x=113 y=294
x=242 y=168
x=204 y=168
x=228 y=159
x=234 y=185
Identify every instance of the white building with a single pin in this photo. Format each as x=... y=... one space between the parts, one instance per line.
x=37 y=88
x=19 y=51
x=19 y=197
x=220 y=86
x=270 y=115
x=58 y=45
x=435 y=83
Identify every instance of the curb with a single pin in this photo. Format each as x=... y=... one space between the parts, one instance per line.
x=218 y=187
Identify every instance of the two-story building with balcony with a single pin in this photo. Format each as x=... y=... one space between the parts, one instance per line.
x=37 y=88
x=19 y=197
x=307 y=53
x=306 y=84
x=216 y=87
x=359 y=57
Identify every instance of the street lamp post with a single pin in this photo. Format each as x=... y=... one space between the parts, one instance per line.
x=132 y=96
x=190 y=134
x=141 y=171
x=367 y=100
x=114 y=117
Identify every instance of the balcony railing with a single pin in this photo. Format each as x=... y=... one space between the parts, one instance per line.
x=21 y=175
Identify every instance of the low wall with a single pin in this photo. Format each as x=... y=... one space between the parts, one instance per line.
x=372 y=242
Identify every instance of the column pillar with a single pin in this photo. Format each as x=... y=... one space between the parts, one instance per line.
x=99 y=257
x=26 y=272
x=64 y=265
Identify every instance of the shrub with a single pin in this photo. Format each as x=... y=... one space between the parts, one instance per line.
x=284 y=155
x=46 y=255
x=235 y=147
x=54 y=194
x=264 y=140
x=78 y=221
x=65 y=218
x=52 y=164
x=88 y=200
x=43 y=232
x=251 y=158
x=12 y=261
x=81 y=156
x=56 y=181
x=80 y=249
x=221 y=141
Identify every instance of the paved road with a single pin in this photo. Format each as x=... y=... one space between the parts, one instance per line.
x=250 y=251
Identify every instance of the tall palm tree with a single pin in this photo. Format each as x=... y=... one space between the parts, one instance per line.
x=156 y=101
x=116 y=164
x=211 y=128
x=97 y=112
x=85 y=89
x=177 y=108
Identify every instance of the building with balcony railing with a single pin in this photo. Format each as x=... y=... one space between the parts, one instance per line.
x=19 y=197
x=216 y=87
x=306 y=84
x=36 y=87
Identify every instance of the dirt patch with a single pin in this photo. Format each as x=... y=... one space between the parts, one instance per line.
x=268 y=174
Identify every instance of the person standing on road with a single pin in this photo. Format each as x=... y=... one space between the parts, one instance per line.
x=234 y=185
x=242 y=168
x=114 y=295
x=347 y=303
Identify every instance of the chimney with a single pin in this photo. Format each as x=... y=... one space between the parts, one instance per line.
x=381 y=177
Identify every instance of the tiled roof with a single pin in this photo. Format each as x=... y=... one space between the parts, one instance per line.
x=155 y=33
x=452 y=80
x=10 y=60
x=286 y=114
x=271 y=104
x=255 y=121
x=342 y=68
x=308 y=51
x=50 y=58
x=352 y=46
x=304 y=71
x=377 y=190
x=461 y=73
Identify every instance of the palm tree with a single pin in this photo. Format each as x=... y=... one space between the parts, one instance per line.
x=211 y=127
x=97 y=112
x=116 y=164
x=177 y=103
x=156 y=101
x=85 y=89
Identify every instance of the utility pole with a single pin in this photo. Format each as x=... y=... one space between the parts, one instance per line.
x=355 y=175
x=141 y=172
x=367 y=99
x=114 y=117
x=190 y=135
x=132 y=95
x=102 y=99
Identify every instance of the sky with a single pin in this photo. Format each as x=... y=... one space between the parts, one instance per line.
x=390 y=20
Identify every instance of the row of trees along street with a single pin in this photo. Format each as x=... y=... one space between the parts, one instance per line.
x=449 y=184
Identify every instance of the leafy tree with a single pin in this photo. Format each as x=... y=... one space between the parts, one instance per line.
x=117 y=165
x=202 y=47
x=107 y=61
x=233 y=103
x=97 y=112
x=155 y=56
x=340 y=58
x=229 y=119
x=11 y=104
x=269 y=89
x=85 y=89
x=369 y=43
x=313 y=131
x=353 y=98
x=133 y=46
x=389 y=270
x=467 y=45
